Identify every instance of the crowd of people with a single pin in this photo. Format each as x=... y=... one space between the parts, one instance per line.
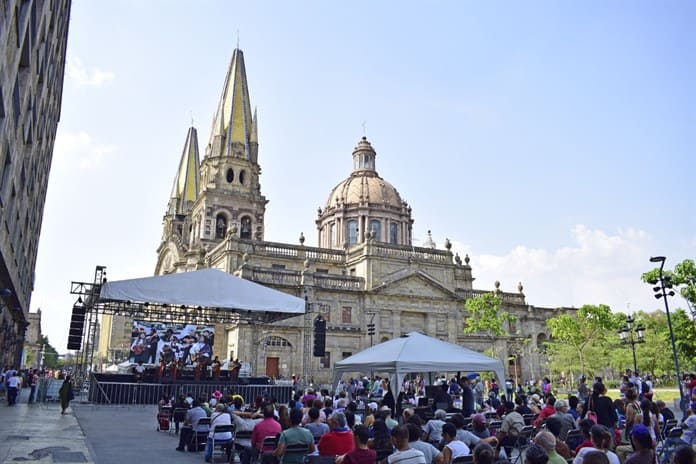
x=361 y=422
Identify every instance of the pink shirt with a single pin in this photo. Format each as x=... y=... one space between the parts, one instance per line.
x=269 y=427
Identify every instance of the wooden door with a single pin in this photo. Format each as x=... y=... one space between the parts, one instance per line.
x=272 y=366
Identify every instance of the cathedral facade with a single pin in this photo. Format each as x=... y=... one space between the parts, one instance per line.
x=365 y=269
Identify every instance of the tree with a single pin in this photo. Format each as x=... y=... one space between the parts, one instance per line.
x=51 y=360
x=683 y=275
x=485 y=316
x=582 y=331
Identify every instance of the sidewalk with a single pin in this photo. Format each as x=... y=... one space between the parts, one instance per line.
x=39 y=433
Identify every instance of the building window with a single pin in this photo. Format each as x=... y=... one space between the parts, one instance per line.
x=277 y=266
x=242 y=176
x=347 y=354
x=277 y=341
x=322 y=271
x=347 y=315
x=245 y=230
x=325 y=312
x=352 y=232
x=332 y=234
x=230 y=175
x=325 y=362
x=393 y=233
x=220 y=225
x=376 y=229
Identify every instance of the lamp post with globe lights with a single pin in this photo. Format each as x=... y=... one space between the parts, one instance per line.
x=661 y=292
x=632 y=336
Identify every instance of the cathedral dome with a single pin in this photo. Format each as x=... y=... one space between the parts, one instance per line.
x=364 y=206
x=364 y=186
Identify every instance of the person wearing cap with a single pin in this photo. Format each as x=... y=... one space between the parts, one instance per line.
x=385 y=413
x=643 y=445
x=339 y=439
x=548 y=441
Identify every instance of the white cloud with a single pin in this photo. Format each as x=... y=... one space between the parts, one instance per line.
x=81 y=148
x=83 y=77
x=598 y=267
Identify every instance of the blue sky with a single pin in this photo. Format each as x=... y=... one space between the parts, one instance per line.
x=552 y=141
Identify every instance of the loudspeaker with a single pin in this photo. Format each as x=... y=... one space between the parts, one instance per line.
x=319 y=337
x=77 y=324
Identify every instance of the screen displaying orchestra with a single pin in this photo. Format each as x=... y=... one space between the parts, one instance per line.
x=177 y=348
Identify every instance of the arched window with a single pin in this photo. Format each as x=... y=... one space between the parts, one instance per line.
x=352 y=232
x=332 y=234
x=541 y=342
x=220 y=225
x=242 y=176
x=245 y=229
x=376 y=227
x=393 y=233
x=230 y=175
x=272 y=340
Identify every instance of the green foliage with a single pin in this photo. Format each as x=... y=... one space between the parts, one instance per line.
x=578 y=337
x=485 y=316
x=51 y=360
x=683 y=276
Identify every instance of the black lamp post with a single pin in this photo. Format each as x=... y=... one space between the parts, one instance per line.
x=632 y=336
x=661 y=292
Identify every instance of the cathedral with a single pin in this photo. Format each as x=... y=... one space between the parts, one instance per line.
x=364 y=271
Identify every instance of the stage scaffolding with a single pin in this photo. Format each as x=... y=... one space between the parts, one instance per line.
x=88 y=297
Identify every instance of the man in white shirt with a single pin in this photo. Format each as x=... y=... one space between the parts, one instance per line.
x=14 y=383
x=404 y=454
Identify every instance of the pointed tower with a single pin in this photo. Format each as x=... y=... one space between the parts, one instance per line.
x=230 y=193
x=177 y=224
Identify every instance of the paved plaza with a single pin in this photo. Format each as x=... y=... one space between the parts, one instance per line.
x=87 y=434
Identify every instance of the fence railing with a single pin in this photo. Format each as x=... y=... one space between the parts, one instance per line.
x=150 y=393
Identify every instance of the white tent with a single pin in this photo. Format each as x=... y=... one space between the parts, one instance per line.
x=416 y=352
x=210 y=288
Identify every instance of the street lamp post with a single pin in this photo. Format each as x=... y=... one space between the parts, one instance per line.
x=627 y=337
x=661 y=292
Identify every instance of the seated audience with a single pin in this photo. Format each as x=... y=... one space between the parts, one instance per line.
x=339 y=438
x=404 y=454
x=601 y=441
x=548 y=441
x=432 y=454
x=294 y=435
x=360 y=454
x=315 y=424
x=433 y=428
x=219 y=417
x=452 y=448
x=193 y=415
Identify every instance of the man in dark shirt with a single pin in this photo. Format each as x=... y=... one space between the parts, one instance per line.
x=361 y=454
x=664 y=410
x=467 y=398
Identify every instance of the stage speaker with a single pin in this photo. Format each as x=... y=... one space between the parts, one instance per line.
x=319 y=337
x=77 y=324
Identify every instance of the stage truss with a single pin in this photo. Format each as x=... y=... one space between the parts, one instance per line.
x=88 y=297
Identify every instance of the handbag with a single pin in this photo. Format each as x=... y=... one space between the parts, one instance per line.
x=591 y=415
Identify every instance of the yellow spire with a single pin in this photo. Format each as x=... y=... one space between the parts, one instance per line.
x=185 y=189
x=233 y=120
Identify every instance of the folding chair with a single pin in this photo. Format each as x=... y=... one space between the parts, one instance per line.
x=670 y=444
x=529 y=418
x=574 y=438
x=468 y=459
x=225 y=444
x=316 y=459
x=267 y=447
x=523 y=441
x=178 y=417
x=295 y=449
x=493 y=426
x=240 y=439
x=200 y=435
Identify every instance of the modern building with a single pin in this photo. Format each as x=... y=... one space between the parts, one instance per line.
x=365 y=269
x=33 y=39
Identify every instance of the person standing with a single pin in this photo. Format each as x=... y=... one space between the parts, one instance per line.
x=66 y=394
x=14 y=384
x=33 y=382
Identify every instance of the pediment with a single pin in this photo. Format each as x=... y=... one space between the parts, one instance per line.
x=413 y=283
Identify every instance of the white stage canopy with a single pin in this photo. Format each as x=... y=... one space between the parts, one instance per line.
x=417 y=353
x=207 y=288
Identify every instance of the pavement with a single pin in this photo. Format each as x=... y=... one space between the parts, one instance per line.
x=37 y=432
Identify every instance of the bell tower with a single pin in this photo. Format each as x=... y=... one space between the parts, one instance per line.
x=230 y=192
